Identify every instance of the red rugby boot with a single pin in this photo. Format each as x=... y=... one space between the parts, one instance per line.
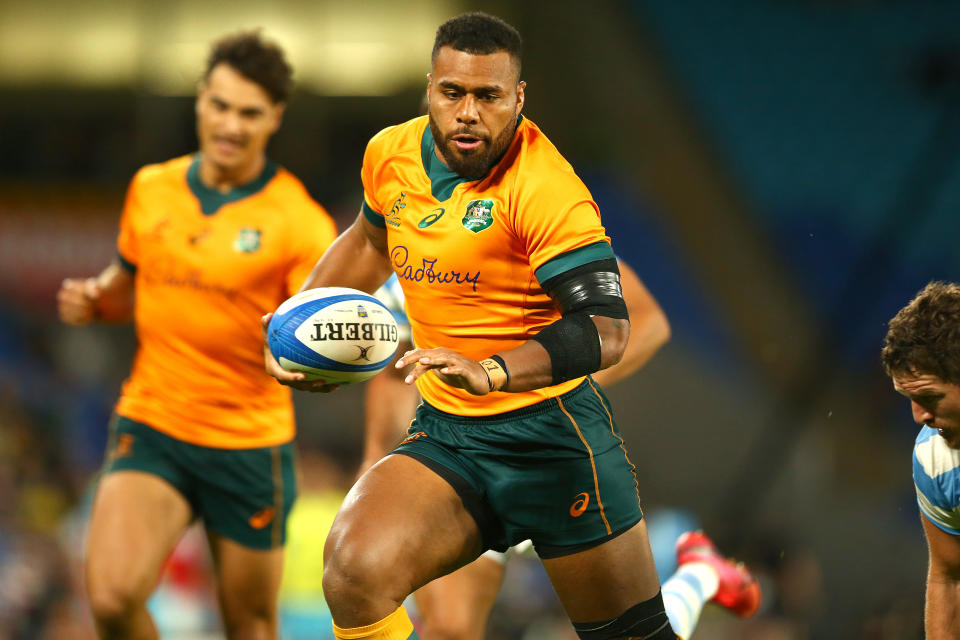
x=738 y=590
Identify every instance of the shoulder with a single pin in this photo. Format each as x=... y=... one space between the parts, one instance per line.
x=539 y=150
x=542 y=166
x=397 y=139
x=936 y=475
x=289 y=195
x=174 y=170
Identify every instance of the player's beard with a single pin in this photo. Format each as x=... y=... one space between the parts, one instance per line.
x=473 y=164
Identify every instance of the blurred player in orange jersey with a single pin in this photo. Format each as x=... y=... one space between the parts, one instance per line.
x=208 y=243
x=458 y=605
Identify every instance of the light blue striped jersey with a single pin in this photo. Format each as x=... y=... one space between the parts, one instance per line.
x=391 y=295
x=936 y=476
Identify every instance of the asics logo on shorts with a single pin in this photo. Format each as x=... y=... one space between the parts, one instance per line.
x=414 y=436
x=262 y=518
x=124 y=446
x=579 y=505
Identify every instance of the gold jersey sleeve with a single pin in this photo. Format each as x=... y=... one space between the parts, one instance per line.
x=206 y=270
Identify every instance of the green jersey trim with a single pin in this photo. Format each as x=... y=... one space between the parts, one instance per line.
x=376 y=219
x=573 y=259
x=211 y=200
x=127 y=266
x=442 y=180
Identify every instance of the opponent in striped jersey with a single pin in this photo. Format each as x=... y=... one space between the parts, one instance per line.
x=921 y=353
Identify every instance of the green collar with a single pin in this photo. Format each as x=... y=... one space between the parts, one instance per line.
x=211 y=200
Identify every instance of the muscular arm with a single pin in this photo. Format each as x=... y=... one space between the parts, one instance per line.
x=389 y=407
x=108 y=297
x=942 y=612
x=649 y=328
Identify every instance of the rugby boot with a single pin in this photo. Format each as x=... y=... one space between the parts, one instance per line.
x=738 y=590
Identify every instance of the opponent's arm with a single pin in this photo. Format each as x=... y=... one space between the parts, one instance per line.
x=591 y=335
x=389 y=407
x=942 y=611
x=357 y=259
x=649 y=328
x=107 y=297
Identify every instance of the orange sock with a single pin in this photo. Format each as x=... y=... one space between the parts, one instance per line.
x=396 y=626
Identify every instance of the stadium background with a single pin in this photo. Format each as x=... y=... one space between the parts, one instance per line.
x=781 y=173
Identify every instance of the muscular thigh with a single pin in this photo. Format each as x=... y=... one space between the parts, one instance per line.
x=603 y=582
x=248 y=581
x=403 y=516
x=135 y=522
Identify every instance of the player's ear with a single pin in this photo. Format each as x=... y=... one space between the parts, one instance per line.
x=521 y=96
x=278 y=110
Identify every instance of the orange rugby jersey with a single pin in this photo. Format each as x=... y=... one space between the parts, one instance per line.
x=207 y=267
x=470 y=255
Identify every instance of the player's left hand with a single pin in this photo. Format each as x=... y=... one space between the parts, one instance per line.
x=451 y=367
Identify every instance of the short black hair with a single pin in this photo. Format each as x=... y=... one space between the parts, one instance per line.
x=258 y=60
x=479 y=33
x=924 y=336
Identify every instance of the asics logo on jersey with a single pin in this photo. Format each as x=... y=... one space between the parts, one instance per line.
x=363 y=353
x=430 y=219
x=262 y=518
x=414 y=436
x=580 y=505
x=428 y=270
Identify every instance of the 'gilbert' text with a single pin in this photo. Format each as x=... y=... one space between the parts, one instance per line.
x=354 y=331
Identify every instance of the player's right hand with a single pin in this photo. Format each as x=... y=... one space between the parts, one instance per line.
x=78 y=300
x=295 y=379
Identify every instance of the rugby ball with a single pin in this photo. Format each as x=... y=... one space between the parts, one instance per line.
x=336 y=334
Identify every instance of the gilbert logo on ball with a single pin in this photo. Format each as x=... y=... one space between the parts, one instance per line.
x=335 y=334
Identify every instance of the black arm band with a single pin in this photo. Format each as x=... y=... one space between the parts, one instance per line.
x=573 y=342
x=574 y=346
x=593 y=288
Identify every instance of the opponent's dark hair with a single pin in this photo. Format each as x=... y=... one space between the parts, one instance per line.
x=258 y=60
x=924 y=336
x=480 y=34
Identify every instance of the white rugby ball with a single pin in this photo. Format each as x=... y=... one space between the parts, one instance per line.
x=336 y=334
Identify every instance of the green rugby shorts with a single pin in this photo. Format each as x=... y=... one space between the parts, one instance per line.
x=556 y=472
x=242 y=494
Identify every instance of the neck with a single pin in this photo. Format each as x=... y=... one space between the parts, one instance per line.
x=224 y=179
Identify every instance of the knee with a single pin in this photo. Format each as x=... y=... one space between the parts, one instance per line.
x=256 y=623
x=363 y=573
x=113 y=605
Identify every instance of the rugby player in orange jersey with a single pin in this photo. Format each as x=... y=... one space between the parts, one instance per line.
x=513 y=295
x=208 y=243
x=458 y=605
